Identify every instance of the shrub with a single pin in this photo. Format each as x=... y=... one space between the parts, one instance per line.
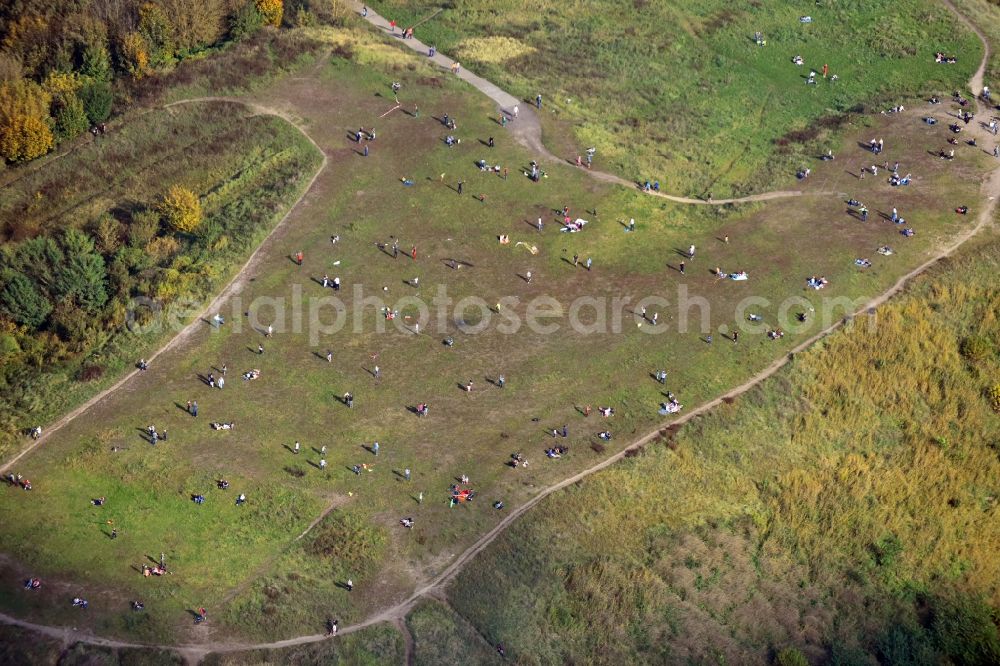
x=181 y=209
x=81 y=276
x=24 y=118
x=975 y=348
x=162 y=248
x=96 y=63
x=271 y=11
x=89 y=373
x=965 y=629
x=108 y=233
x=71 y=117
x=97 y=99
x=791 y=657
x=195 y=23
x=154 y=26
x=133 y=56
x=24 y=138
x=22 y=301
x=143 y=228
x=245 y=22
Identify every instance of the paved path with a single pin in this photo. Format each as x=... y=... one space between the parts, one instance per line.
x=396 y=614
x=527 y=129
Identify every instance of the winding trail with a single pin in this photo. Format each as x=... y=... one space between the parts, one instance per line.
x=527 y=129
x=530 y=137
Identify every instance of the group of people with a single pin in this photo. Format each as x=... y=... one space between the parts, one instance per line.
x=18 y=481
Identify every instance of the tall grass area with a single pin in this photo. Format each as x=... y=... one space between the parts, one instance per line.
x=846 y=509
x=246 y=171
x=441 y=636
x=680 y=92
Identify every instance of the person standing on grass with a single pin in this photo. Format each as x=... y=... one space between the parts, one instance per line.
x=538 y=101
x=527 y=277
x=505 y=173
x=296 y=448
x=590 y=262
x=329 y=356
x=501 y=381
x=736 y=337
x=490 y=142
x=260 y=348
x=461 y=185
x=413 y=254
x=364 y=152
x=406 y=473
x=194 y=408
x=691 y=252
x=349 y=585
x=375 y=448
x=681 y=268
x=377 y=372
x=516 y=110
x=540 y=225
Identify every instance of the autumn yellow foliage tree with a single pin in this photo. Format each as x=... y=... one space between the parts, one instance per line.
x=181 y=209
x=24 y=121
x=134 y=54
x=271 y=10
x=195 y=24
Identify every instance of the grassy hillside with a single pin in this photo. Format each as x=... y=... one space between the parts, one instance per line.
x=847 y=508
x=248 y=564
x=680 y=92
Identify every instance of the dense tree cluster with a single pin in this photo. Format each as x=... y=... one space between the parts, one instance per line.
x=59 y=59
